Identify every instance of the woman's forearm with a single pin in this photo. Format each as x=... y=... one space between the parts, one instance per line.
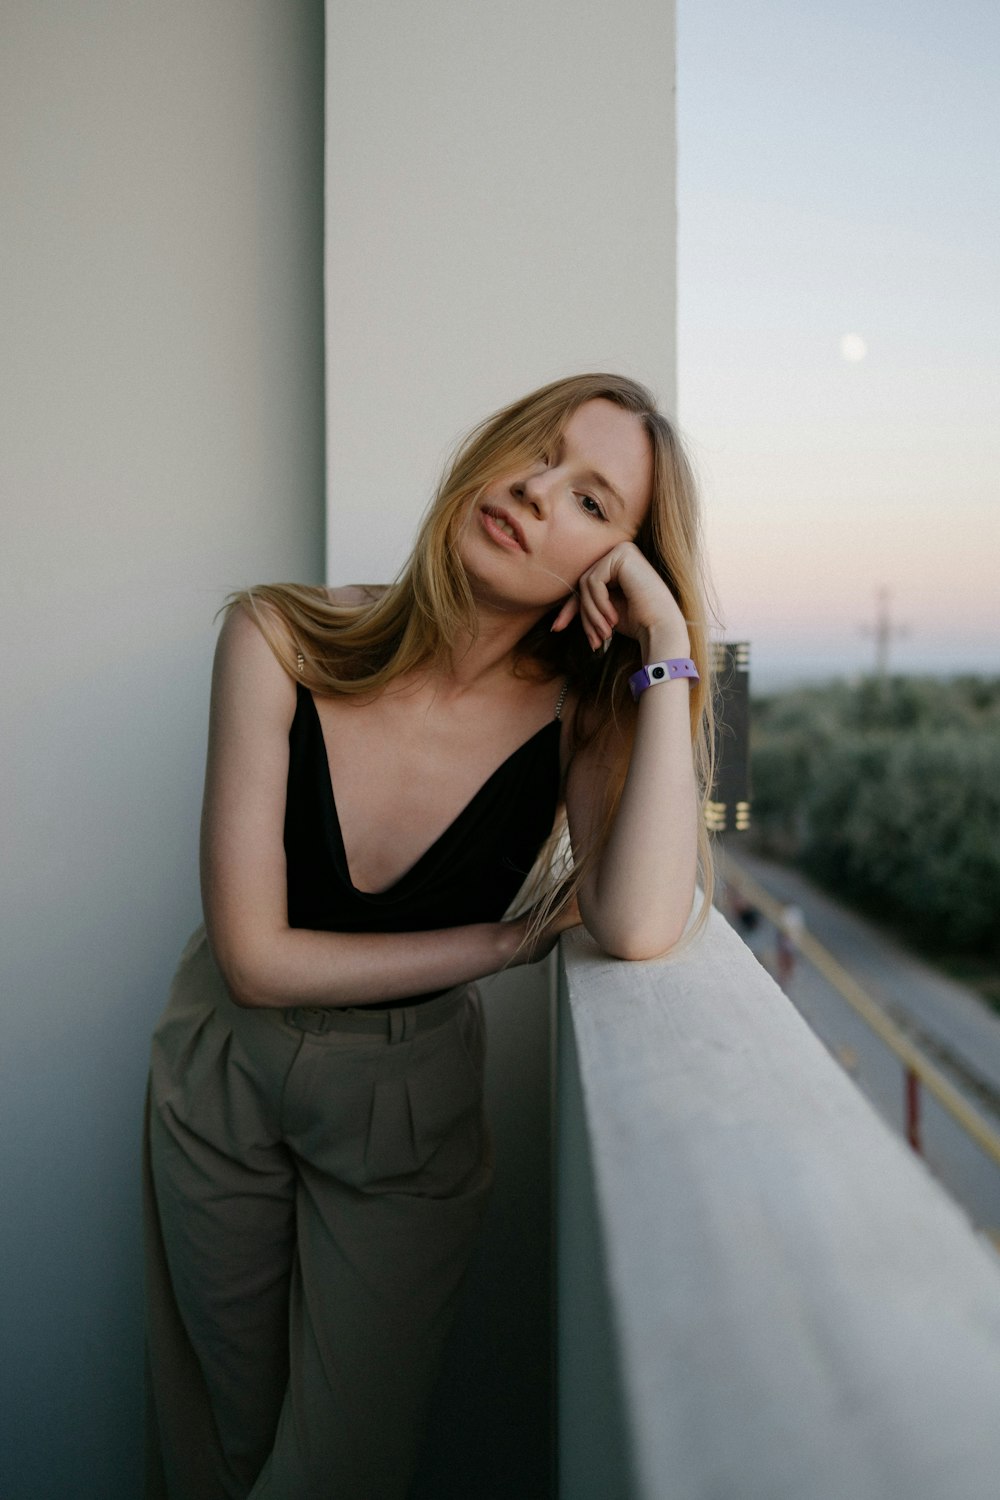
x=301 y=966
x=639 y=897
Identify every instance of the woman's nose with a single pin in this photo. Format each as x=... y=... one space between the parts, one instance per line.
x=535 y=490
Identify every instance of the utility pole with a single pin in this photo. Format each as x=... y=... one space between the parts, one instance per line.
x=884 y=631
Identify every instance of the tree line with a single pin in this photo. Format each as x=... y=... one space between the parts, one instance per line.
x=889 y=794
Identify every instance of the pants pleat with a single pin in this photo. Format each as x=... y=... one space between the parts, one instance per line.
x=311 y=1203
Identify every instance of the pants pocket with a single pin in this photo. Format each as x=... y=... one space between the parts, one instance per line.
x=426 y=1130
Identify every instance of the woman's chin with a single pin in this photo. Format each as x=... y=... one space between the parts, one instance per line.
x=497 y=594
x=492 y=584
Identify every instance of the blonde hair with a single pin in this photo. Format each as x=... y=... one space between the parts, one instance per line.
x=338 y=649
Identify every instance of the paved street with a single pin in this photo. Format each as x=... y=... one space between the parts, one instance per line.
x=949 y=1022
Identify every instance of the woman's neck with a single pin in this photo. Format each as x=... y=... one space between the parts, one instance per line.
x=490 y=653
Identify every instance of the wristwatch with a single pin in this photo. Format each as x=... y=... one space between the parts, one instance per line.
x=661 y=671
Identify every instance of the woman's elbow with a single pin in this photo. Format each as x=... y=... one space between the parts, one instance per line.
x=636 y=951
x=245 y=998
x=241 y=989
x=636 y=929
x=633 y=944
x=240 y=976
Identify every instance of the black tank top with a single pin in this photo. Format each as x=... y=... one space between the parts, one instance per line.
x=471 y=873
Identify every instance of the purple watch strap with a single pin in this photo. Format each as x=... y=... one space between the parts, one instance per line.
x=661 y=671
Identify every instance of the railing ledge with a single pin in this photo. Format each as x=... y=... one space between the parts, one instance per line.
x=794 y=1306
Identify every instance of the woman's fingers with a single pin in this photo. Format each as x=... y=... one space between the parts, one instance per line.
x=594 y=632
x=597 y=611
x=620 y=591
x=569 y=916
x=598 y=614
x=569 y=609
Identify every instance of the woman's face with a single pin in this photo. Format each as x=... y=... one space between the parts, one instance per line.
x=531 y=535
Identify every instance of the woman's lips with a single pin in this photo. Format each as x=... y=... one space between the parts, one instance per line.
x=502 y=528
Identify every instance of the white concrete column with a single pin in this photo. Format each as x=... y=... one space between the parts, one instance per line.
x=499 y=212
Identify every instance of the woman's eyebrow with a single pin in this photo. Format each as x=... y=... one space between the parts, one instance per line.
x=603 y=484
x=593 y=477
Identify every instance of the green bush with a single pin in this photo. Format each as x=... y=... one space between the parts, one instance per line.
x=889 y=794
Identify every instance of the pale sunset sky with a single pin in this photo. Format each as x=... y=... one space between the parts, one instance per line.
x=839 y=324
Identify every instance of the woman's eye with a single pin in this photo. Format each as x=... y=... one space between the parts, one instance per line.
x=587 y=501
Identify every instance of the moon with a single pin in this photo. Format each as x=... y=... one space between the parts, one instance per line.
x=853 y=348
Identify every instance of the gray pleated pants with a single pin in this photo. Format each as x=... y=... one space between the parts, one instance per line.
x=314 y=1184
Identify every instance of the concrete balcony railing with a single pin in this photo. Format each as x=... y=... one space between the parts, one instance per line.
x=762 y=1294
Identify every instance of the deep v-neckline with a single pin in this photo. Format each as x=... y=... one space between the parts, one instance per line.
x=422 y=859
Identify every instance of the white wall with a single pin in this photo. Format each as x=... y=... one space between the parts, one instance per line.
x=161 y=442
x=500 y=212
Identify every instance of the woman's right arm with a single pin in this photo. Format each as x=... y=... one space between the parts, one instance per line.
x=243 y=875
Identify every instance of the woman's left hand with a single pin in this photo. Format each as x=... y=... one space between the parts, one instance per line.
x=623 y=591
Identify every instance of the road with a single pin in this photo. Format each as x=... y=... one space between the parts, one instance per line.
x=949 y=1022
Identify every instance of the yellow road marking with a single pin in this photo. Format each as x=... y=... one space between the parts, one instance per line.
x=870 y=1011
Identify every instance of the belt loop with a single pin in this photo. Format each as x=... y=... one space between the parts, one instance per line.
x=402 y=1023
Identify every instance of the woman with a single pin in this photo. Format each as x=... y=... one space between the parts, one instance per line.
x=317 y=1159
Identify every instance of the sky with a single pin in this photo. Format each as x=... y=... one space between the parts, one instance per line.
x=839 y=325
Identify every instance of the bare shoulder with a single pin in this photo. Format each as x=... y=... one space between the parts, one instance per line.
x=242 y=636
x=246 y=668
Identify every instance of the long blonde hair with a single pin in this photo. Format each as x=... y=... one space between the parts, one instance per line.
x=338 y=649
